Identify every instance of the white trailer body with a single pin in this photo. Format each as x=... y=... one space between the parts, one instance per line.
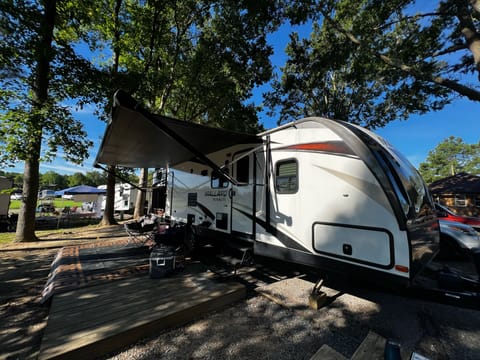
x=5 y=184
x=318 y=192
x=125 y=197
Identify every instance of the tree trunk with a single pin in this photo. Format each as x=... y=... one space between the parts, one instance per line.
x=109 y=211
x=140 y=202
x=469 y=32
x=26 y=216
x=43 y=51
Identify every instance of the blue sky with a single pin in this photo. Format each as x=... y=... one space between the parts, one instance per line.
x=414 y=137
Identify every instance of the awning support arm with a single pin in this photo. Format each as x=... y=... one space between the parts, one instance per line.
x=123 y=99
x=118 y=177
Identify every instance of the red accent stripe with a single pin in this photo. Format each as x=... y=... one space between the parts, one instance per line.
x=332 y=146
x=401 y=268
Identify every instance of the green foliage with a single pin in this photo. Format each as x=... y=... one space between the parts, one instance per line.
x=52 y=180
x=55 y=181
x=193 y=60
x=371 y=61
x=95 y=178
x=77 y=178
x=451 y=156
x=24 y=118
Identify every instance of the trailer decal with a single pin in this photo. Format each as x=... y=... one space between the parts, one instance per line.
x=205 y=210
x=335 y=147
x=286 y=240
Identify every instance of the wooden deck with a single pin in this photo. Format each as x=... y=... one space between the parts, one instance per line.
x=101 y=319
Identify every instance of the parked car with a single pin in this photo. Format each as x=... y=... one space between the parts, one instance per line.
x=16 y=196
x=445 y=213
x=46 y=194
x=457 y=239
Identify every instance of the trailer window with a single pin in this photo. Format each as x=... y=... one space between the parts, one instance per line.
x=243 y=167
x=286 y=177
x=218 y=181
x=460 y=200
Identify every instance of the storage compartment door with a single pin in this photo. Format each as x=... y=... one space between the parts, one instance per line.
x=364 y=245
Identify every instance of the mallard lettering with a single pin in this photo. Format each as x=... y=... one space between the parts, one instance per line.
x=216 y=193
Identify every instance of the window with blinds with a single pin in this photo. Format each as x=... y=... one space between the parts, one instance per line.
x=286 y=176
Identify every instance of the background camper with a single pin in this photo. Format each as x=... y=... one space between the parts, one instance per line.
x=5 y=221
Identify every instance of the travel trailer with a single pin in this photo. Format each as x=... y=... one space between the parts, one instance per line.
x=125 y=197
x=317 y=192
x=6 y=185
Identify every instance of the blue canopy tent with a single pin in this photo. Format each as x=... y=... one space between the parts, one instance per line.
x=81 y=190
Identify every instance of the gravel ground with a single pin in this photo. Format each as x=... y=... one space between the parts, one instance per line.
x=255 y=329
x=260 y=328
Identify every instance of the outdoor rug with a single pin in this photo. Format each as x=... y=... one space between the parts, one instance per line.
x=90 y=264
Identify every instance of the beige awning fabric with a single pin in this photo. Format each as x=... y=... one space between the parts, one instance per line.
x=136 y=138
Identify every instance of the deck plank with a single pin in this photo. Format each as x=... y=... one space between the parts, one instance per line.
x=101 y=319
x=371 y=348
x=327 y=353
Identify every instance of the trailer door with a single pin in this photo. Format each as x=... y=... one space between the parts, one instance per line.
x=242 y=196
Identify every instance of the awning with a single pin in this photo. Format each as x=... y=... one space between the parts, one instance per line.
x=136 y=138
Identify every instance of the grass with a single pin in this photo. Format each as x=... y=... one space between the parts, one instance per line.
x=57 y=203
x=7 y=238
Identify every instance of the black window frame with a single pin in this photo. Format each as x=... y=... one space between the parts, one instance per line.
x=242 y=176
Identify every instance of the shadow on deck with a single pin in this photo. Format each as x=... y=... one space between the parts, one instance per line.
x=106 y=317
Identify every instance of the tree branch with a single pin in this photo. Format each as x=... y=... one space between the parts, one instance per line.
x=450 y=84
x=406 y=18
x=450 y=50
x=463 y=90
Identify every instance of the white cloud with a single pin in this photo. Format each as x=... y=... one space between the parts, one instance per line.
x=66 y=168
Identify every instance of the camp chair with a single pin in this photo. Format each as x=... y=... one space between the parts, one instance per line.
x=142 y=230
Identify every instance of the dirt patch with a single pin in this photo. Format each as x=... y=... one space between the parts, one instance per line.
x=23 y=317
